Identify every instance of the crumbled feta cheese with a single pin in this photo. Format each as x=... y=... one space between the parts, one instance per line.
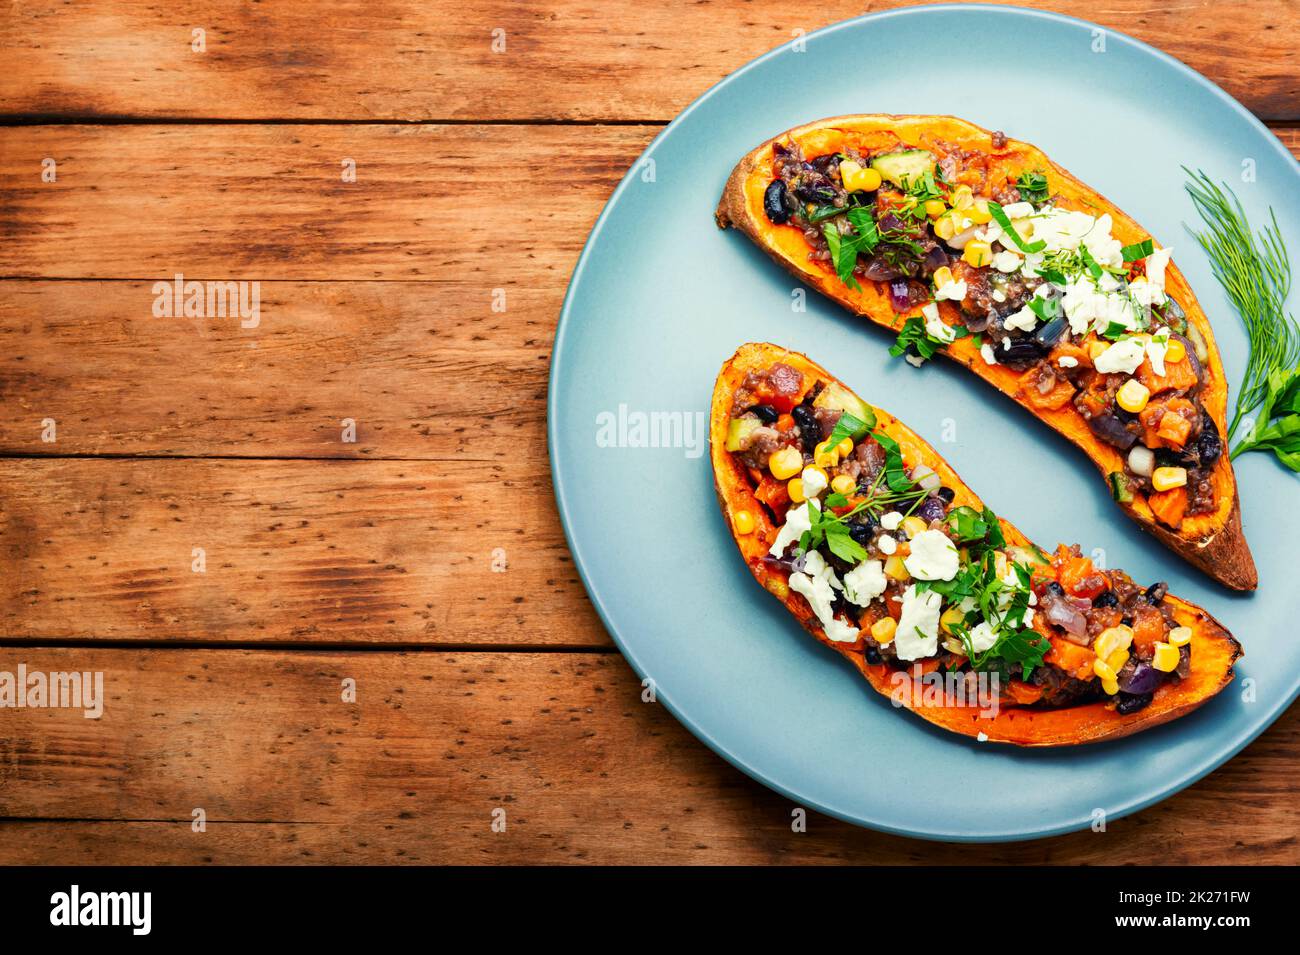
x=886 y=544
x=1006 y=261
x=1018 y=210
x=992 y=232
x=1107 y=251
x=933 y=557
x=934 y=326
x=918 y=627
x=865 y=582
x=982 y=636
x=998 y=295
x=986 y=352
x=1067 y=361
x=1061 y=230
x=1145 y=293
x=1086 y=305
x=1025 y=320
x=1155 y=265
x=817 y=583
x=797 y=521
x=814 y=482
x=1156 y=350
x=951 y=291
x=1123 y=357
x=891 y=520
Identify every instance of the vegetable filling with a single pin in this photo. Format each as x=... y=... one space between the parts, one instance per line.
x=888 y=559
x=1045 y=290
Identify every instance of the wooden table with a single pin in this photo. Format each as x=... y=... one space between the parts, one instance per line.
x=201 y=531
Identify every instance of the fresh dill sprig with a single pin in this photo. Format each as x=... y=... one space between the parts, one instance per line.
x=1255 y=270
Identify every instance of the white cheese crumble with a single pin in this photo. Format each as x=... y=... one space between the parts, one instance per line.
x=865 y=582
x=817 y=583
x=917 y=636
x=934 y=326
x=814 y=482
x=886 y=544
x=1157 y=348
x=1155 y=265
x=891 y=520
x=951 y=291
x=1006 y=261
x=1025 y=320
x=986 y=352
x=933 y=557
x=796 y=522
x=1087 y=305
x=1123 y=357
x=1067 y=361
x=982 y=636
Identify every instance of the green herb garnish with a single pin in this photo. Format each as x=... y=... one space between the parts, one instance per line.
x=914 y=336
x=1137 y=251
x=1032 y=186
x=1001 y=219
x=1255 y=270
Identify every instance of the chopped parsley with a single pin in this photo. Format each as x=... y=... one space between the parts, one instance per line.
x=914 y=339
x=1032 y=186
x=1137 y=251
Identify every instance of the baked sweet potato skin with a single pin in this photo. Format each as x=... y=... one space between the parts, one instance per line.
x=1214 y=651
x=1213 y=542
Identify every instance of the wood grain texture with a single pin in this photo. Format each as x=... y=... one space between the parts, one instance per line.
x=269 y=202
x=411 y=772
x=563 y=59
x=325 y=552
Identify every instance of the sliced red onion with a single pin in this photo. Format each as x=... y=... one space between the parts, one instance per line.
x=1111 y=430
x=1060 y=612
x=1144 y=678
x=900 y=295
x=925 y=477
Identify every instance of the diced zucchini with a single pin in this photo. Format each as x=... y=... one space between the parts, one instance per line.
x=905 y=167
x=838 y=398
x=739 y=430
x=1028 y=556
x=1120 y=488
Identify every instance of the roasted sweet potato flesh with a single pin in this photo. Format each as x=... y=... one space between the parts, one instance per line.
x=1213 y=541
x=1214 y=651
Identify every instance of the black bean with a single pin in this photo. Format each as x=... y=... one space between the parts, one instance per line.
x=947 y=494
x=1132 y=702
x=774 y=203
x=1155 y=593
x=1126 y=620
x=1108 y=599
x=1209 y=445
x=865 y=531
x=765 y=413
x=1017 y=351
x=872 y=654
x=1056 y=589
x=810 y=430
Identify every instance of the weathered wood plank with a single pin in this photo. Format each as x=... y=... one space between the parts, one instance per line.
x=424 y=370
x=312 y=552
x=409 y=59
x=412 y=772
x=487 y=206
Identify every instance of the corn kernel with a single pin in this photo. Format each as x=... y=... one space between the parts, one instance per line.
x=843 y=484
x=942 y=276
x=845 y=447
x=857 y=177
x=883 y=630
x=1166 y=479
x=962 y=198
x=977 y=253
x=979 y=212
x=1117 y=660
x=895 y=568
x=1180 y=636
x=935 y=208
x=945 y=227
x=1112 y=639
x=913 y=525
x=1175 y=352
x=785 y=463
x=1103 y=669
x=951 y=617
x=743 y=522
x=795 y=490
x=778 y=587
x=1165 y=658
x=1110 y=687
x=1132 y=396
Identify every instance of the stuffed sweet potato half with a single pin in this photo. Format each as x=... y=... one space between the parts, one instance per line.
x=978 y=247
x=874 y=544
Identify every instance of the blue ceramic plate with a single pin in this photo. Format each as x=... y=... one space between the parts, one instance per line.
x=661 y=297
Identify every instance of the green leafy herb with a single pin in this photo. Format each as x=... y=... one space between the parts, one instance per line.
x=967 y=523
x=1000 y=217
x=846 y=427
x=1255 y=270
x=1091 y=264
x=895 y=472
x=1137 y=251
x=914 y=336
x=846 y=247
x=1045 y=308
x=1032 y=186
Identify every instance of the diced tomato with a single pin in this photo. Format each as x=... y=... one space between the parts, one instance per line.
x=773 y=493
